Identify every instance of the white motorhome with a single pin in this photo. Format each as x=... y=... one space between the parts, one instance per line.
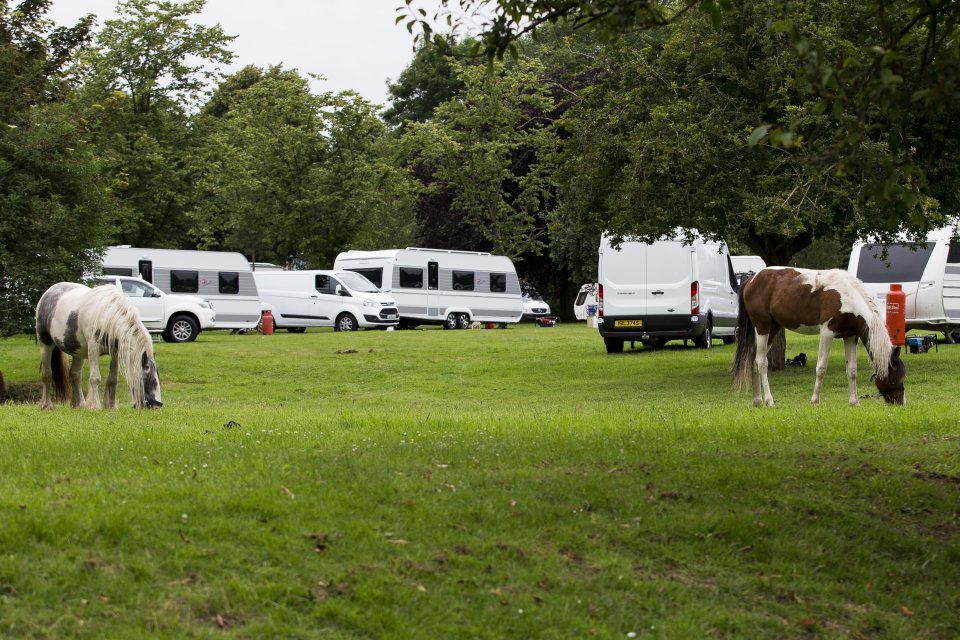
x=343 y=300
x=929 y=273
x=436 y=286
x=586 y=297
x=224 y=278
x=667 y=290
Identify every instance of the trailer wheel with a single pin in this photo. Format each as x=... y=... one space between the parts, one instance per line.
x=345 y=322
x=451 y=321
x=182 y=328
x=463 y=321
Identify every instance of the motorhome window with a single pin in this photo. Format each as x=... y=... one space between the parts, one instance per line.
x=953 y=255
x=184 y=281
x=117 y=271
x=463 y=280
x=323 y=283
x=903 y=263
x=411 y=278
x=373 y=275
x=433 y=275
x=229 y=282
x=498 y=282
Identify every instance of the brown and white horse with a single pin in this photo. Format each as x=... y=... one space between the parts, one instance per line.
x=832 y=303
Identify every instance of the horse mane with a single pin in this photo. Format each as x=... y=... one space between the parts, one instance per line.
x=877 y=339
x=115 y=322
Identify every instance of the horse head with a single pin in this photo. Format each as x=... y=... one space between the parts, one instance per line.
x=151 y=383
x=891 y=386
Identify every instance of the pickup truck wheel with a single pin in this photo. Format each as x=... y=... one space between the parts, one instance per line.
x=181 y=329
x=345 y=322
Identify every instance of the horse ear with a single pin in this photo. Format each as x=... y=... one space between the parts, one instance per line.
x=144 y=360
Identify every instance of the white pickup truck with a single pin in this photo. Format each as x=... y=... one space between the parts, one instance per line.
x=179 y=318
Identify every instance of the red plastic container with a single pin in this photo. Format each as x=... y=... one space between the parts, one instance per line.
x=266 y=323
x=897 y=315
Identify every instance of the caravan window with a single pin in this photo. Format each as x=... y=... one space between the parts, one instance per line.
x=463 y=280
x=904 y=262
x=411 y=278
x=373 y=275
x=953 y=256
x=184 y=281
x=498 y=283
x=117 y=271
x=229 y=282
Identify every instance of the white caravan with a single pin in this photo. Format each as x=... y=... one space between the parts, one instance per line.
x=667 y=290
x=343 y=300
x=437 y=286
x=224 y=278
x=929 y=273
x=586 y=297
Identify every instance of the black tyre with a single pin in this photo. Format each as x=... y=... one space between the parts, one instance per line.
x=706 y=340
x=463 y=321
x=181 y=328
x=613 y=345
x=451 y=321
x=729 y=339
x=345 y=322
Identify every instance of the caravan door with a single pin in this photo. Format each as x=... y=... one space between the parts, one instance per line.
x=433 y=289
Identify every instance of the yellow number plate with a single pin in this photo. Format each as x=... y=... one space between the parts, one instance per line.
x=628 y=323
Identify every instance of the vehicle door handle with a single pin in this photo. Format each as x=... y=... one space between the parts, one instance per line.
x=657 y=293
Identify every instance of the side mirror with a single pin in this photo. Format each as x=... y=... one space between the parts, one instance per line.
x=156 y=294
x=338 y=290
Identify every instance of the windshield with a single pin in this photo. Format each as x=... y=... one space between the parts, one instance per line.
x=356 y=282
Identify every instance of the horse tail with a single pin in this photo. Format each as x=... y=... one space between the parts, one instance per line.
x=60 y=369
x=742 y=368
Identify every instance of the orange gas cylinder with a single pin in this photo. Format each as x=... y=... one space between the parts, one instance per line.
x=266 y=323
x=897 y=315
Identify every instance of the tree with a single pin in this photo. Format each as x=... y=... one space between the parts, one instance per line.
x=484 y=150
x=282 y=173
x=52 y=209
x=143 y=77
x=428 y=81
x=889 y=94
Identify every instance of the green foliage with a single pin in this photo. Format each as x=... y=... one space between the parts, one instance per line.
x=428 y=81
x=52 y=209
x=486 y=148
x=483 y=484
x=282 y=173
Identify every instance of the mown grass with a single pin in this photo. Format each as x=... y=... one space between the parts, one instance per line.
x=480 y=484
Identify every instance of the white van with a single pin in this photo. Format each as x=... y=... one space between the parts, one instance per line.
x=929 y=273
x=343 y=300
x=222 y=277
x=438 y=286
x=667 y=290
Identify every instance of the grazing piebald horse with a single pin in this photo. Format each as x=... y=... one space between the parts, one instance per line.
x=832 y=303
x=75 y=320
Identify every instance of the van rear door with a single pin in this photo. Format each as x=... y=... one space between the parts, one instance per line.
x=622 y=277
x=669 y=269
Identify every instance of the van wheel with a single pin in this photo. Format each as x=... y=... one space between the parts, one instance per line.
x=463 y=321
x=345 y=322
x=451 y=321
x=706 y=340
x=613 y=345
x=181 y=329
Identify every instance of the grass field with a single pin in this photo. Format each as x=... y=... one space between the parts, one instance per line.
x=512 y=483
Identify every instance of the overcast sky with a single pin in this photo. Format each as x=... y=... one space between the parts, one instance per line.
x=354 y=44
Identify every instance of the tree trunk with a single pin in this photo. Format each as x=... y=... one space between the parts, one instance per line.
x=777 y=355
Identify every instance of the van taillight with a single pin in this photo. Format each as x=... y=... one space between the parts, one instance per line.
x=599 y=300
x=694 y=298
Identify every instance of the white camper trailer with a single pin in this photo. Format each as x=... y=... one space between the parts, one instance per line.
x=436 y=286
x=667 y=290
x=743 y=266
x=929 y=273
x=586 y=301
x=224 y=278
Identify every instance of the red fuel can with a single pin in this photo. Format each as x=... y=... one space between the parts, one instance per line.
x=897 y=315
